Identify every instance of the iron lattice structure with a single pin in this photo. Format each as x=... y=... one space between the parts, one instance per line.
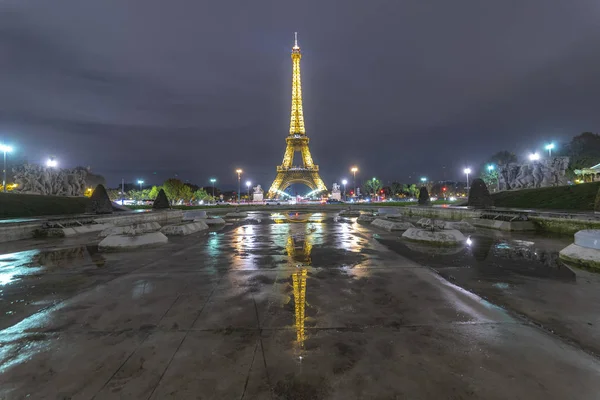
x=297 y=141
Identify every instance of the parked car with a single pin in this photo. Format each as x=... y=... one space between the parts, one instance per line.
x=274 y=202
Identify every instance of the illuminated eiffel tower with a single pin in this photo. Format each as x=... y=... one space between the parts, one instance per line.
x=297 y=141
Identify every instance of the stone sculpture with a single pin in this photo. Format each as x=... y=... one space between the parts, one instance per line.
x=424 y=197
x=99 y=202
x=37 y=179
x=479 y=196
x=335 y=188
x=161 y=202
x=547 y=172
x=257 y=189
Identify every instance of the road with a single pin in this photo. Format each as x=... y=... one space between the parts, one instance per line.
x=313 y=309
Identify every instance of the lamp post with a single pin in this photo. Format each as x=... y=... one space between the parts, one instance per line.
x=344 y=182
x=51 y=162
x=490 y=168
x=140 y=182
x=239 y=173
x=534 y=156
x=248 y=183
x=550 y=147
x=423 y=180
x=467 y=171
x=5 y=149
x=213 y=180
x=354 y=170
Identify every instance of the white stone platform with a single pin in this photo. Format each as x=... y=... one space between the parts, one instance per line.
x=392 y=226
x=184 y=229
x=131 y=242
x=212 y=221
x=134 y=229
x=462 y=226
x=366 y=219
x=450 y=237
x=193 y=215
x=585 y=252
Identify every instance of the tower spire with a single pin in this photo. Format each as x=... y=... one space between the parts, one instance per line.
x=297 y=117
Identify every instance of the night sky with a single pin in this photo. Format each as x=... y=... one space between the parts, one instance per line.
x=153 y=89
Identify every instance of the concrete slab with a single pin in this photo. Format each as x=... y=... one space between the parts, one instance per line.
x=349 y=213
x=366 y=219
x=81 y=230
x=446 y=237
x=194 y=214
x=213 y=221
x=514 y=226
x=236 y=214
x=580 y=256
x=184 y=229
x=127 y=242
x=391 y=226
x=134 y=229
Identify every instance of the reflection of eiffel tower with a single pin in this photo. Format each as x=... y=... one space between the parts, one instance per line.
x=297 y=141
x=299 y=282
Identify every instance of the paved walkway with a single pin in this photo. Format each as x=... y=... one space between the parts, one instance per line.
x=267 y=311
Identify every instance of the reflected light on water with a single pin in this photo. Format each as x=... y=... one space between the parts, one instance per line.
x=13 y=265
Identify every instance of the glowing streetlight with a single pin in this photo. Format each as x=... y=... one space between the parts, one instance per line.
x=248 y=183
x=239 y=173
x=423 y=179
x=354 y=170
x=140 y=182
x=344 y=182
x=213 y=180
x=467 y=171
x=51 y=162
x=550 y=147
x=5 y=149
x=534 y=156
x=490 y=168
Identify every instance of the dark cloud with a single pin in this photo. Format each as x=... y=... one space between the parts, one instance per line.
x=147 y=88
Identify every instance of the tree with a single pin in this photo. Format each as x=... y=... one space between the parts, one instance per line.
x=490 y=177
x=113 y=194
x=372 y=186
x=202 y=195
x=173 y=189
x=502 y=158
x=185 y=193
x=410 y=190
x=396 y=188
x=154 y=192
x=583 y=152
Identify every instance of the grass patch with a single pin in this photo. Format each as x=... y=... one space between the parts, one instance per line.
x=15 y=205
x=576 y=197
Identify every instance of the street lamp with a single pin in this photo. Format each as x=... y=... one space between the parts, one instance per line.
x=248 y=183
x=344 y=182
x=51 y=162
x=549 y=147
x=354 y=170
x=239 y=172
x=423 y=180
x=5 y=149
x=467 y=171
x=534 y=156
x=490 y=168
x=213 y=180
x=140 y=182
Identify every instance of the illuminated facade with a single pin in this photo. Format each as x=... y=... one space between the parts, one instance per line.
x=297 y=141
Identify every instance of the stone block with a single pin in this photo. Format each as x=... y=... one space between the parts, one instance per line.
x=391 y=226
x=236 y=214
x=589 y=238
x=99 y=202
x=366 y=219
x=161 y=202
x=580 y=256
x=194 y=215
x=213 y=221
x=134 y=229
x=184 y=229
x=349 y=213
x=450 y=237
x=131 y=242
x=503 y=225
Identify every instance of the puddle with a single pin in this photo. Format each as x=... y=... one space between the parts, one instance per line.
x=488 y=257
x=15 y=266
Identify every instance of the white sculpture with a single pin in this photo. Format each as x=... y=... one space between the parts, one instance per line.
x=37 y=179
x=547 y=172
x=258 y=189
x=336 y=188
x=335 y=192
x=258 y=193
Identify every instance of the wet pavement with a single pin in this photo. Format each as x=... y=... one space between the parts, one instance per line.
x=283 y=306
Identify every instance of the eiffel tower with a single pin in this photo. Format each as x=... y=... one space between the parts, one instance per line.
x=297 y=141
